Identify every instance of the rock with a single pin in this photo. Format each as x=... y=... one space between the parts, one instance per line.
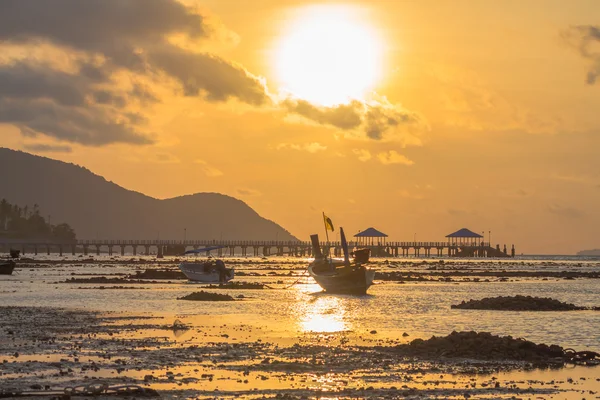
x=206 y=296
x=484 y=346
x=517 y=303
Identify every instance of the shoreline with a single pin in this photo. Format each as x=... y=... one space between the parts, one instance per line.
x=295 y=342
x=85 y=347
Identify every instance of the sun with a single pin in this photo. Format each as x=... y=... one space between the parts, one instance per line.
x=328 y=56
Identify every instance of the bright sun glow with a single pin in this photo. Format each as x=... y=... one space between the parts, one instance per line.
x=328 y=56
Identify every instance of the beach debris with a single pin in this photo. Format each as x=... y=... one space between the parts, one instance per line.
x=179 y=325
x=158 y=274
x=485 y=346
x=517 y=303
x=206 y=296
x=238 y=285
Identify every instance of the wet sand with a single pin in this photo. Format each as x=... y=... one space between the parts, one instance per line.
x=283 y=343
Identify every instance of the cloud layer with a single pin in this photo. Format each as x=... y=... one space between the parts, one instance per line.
x=586 y=39
x=105 y=39
x=116 y=53
x=376 y=120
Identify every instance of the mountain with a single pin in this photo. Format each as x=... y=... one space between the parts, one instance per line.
x=97 y=208
x=595 y=252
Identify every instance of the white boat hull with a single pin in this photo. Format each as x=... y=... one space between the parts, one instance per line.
x=196 y=272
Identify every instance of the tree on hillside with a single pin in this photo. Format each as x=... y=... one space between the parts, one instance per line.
x=28 y=223
x=63 y=232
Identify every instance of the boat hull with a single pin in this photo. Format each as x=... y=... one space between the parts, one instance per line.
x=7 y=267
x=351 y=280
x=198 y=272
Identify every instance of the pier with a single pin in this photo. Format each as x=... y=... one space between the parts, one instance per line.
x=245 y=248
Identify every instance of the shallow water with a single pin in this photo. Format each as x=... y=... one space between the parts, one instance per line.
x=421 y=309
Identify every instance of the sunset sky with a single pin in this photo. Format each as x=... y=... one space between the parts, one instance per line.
x=415 y=117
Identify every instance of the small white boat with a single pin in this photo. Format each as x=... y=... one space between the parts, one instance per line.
x=207 y=271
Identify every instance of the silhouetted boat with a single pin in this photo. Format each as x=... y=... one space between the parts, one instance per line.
x=7 y=267
x=341 y=276
x=207 y=271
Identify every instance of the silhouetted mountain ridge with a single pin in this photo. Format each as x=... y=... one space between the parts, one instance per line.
x=594 y=252
x=98 y=208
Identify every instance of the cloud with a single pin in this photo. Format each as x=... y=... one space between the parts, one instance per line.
x=208 y=170
x=47 y=148
x=375 y=119
x=118 y=53
x=166 y=158
x=313 y=148
x=104 y=41
x=363 y=155
x=248 y=192
x=586 y=40
x=209 y=76
x=134 y=35
x=565 y=211
x=392 y=157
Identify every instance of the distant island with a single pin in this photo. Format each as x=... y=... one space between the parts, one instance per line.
x=27 y=223
x=99 y=209
x=595 y=252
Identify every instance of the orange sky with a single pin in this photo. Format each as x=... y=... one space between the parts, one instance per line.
x=479 y=114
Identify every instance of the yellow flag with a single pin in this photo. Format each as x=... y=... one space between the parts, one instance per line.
x=328 y=223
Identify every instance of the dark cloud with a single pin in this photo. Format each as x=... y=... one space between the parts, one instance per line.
x=132 y=34
x=23 y=81
x=586 y=39
x=373 y=119
x=345 y=116
x=378 y=119
x=93 y=126
x=143 y=93
x=107 y=97
x=47 y=148
x=41 y=100
x=115 y=28
x=204 y=74
x=105 y=37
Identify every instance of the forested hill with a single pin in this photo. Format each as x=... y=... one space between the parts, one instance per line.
x=97 y=208
x=28 y=223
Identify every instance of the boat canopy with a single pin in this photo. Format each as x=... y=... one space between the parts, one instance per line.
x=203 y=250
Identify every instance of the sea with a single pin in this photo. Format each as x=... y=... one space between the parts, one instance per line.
x=292 y=304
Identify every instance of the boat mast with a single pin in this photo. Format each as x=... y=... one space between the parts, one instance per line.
x=327 y=222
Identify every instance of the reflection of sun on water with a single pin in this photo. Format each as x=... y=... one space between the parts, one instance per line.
x=324 y=314
x=329 y=55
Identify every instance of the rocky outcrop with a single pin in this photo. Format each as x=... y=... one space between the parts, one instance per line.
x=206 y=296
x=517 y=303
x=485 y=346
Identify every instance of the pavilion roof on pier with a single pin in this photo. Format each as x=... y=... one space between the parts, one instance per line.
x=464 y=233
x=371 y=232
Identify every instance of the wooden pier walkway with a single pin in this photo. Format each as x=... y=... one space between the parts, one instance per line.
x=252 y=248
